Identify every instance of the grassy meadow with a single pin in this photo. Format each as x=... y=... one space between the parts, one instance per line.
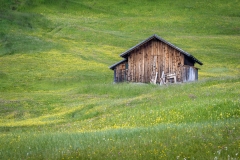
x=58 y=99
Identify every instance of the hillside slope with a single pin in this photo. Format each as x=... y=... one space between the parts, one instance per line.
x=57 y=99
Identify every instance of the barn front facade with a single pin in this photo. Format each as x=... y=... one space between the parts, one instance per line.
x=155 y=60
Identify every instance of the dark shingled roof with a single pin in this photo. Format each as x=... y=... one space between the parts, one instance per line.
x=126 y=53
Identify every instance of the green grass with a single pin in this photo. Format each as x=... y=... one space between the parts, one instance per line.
x=58 y=100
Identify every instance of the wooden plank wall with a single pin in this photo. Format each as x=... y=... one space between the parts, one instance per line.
x=152 y=57
x=190 y=73
x=120 y=73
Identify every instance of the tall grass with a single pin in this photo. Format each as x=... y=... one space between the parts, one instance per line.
x=164 y=141
x=200 y=121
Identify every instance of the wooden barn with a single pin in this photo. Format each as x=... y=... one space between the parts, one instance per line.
x=155 y=60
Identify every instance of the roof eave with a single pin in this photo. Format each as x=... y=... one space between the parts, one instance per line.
x=114 y=65
x=199 y=62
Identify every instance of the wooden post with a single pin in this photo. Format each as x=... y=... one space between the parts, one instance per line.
x=162 y=79
x=155 y=80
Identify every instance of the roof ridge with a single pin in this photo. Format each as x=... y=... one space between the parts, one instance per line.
x=163 y=40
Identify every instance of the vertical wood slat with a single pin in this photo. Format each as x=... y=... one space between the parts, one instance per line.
x=129 y=70
x=161 y=58
x=139 y=66
x=164 y=59
x=170 y=60
x=167 y=60
x=148 y=64
x=178 y=66
x=131 y=67
x=158 y=62
x=142 y=67
x=136 y=67
x=174 y=62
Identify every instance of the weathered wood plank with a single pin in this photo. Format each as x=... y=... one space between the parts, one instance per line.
x=143 y=61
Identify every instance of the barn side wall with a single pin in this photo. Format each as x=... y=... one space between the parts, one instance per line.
x=154 y=56
x=120 y=73
x=189 y=73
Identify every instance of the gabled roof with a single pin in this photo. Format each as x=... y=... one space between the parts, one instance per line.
x=114 y=65
x=126 y=53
